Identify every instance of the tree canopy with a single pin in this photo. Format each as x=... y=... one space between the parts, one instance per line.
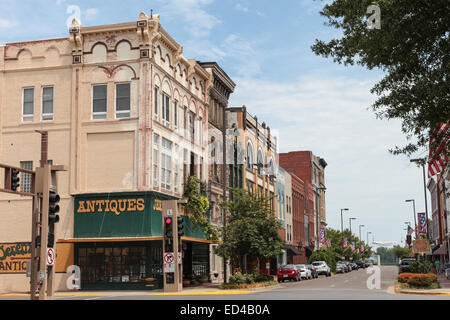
x=412 y=48
x=251 y=229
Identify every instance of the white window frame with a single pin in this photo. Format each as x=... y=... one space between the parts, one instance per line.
x=176 y=164
x=53 y=104
x=26 y=183
x=27 y=116
x=156 y=103
x=166 y=164
x=99 y=115
x=175 y=115
x=155 y=160
x=120 y=112
x=165 y=105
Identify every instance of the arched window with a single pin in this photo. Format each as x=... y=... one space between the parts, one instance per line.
x=249 y=156
x=260 y=161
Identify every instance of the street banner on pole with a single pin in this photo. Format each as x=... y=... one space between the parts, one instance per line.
x=329 y=243
x=345 y=242
x=322 y=235
x=422 y=223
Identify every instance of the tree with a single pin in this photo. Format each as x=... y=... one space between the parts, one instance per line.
x=251 y=230
x=401 y=252
x=412 y=47
x=198 y=205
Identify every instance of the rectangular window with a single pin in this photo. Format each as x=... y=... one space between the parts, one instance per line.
x=123 y=100
x=28 y=105
x=166 y=109
x=192 y=126
x=47 y=103
x=200 y=136
x=26 y=178
x=175 y=114
x=156 y=103
x=99 y=101
x=306 y=230
x=176 y=160
x=166 y=164
x=155 y=159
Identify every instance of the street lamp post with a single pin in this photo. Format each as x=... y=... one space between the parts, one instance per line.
x=361 y=225
x=368 y=232
x=422 y=162
x=350 y=223
x=342 y=221
x=414 y=208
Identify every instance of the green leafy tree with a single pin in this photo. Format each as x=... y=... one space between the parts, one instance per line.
x=412 y=49
x=401 y=252
x=251 y=229
x=198 y=205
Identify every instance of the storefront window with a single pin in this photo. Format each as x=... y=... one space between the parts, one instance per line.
x=112 y=264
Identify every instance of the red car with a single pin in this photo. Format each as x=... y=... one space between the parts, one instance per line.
x=288 y=272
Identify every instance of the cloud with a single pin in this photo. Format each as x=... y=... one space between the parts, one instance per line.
x=91 y=12
x=329 y=116
x=240 y=7
x=4 y=23
x=198 y=22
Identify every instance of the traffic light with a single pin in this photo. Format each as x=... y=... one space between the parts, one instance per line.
x=168 y=231
x=408 y=239
x=53 y=208
x=15 y=179
x=180 y=222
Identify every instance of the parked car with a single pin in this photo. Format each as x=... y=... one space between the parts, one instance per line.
x=322 y=268
x=405 y=265
x=313 y=271
x=354 y=266
x=305 y=273
x=349 y=266
x=346 y=266
x=288 y=272
x=361 y=264
x=340 y=268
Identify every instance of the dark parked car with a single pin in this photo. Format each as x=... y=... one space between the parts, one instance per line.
x=288 y=272
x=361 y=264
x=354 y=266
x=405 y=265
x=346 y=266
x=314 y=272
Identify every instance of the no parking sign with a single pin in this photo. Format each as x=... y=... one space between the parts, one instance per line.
x=50 y=257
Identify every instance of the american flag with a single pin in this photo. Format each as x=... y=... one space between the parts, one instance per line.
x=437 y=159
x=329 y=243
x=410 y=230
x=345 y=242
x=353 y=246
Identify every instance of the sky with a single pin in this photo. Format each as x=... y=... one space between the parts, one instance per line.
x=311 y=102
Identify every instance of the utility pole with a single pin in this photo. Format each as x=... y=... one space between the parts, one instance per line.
x=342 y=221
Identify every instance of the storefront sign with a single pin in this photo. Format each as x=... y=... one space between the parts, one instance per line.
x=116 y=206
x=421 y=246
x=14 y=257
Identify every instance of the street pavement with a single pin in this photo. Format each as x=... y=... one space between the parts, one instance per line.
x=355 y=285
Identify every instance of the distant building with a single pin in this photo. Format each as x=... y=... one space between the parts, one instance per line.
x=311 y=170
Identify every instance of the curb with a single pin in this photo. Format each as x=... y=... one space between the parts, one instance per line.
x=422 y=293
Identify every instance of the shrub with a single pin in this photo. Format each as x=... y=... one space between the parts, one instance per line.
x=421 y=267
x=263 y=278
x=239 y=278
x=418 y=279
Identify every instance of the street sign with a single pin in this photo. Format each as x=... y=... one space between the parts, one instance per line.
x=168 y=257
x=169 y=212
x=180 y=258
x=169 y=267
x=50 y=257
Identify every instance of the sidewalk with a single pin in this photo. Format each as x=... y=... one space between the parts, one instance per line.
x=444 y=291
x=208 y=289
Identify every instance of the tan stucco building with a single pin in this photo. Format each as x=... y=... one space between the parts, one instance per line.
x=127 y=114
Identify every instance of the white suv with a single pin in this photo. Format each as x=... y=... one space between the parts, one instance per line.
x=322 y=268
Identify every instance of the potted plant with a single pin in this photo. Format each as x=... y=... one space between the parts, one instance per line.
x=203 y=278
x=186 y=280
